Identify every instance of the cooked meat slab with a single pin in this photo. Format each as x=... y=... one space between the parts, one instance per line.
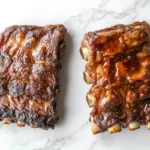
x=118 y=66
x=29 y=64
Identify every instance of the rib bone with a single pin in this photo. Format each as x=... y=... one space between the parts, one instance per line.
x=114 y=128
x=95 y=128
x=87 y=78
x=148 y=125
x=20 y=124
x=134 y=125
x=84 y=53
x=32 y=126
x=6 y=121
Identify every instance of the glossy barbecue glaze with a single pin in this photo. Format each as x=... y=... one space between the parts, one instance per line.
x=118 y=66
x=115 y=40
x=122 y=69
x=29 y=64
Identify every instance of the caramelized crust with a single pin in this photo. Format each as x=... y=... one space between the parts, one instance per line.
x=121 y=69
x=125 y=95
x=139 y=113
x=118 y=66
x=115 y=40
x=29 y=64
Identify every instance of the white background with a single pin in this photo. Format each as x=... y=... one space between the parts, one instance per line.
x=73 y=131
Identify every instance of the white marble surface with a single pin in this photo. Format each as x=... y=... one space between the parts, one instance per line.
x=73 y=131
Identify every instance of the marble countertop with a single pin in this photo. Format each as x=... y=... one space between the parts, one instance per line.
x=73 y=131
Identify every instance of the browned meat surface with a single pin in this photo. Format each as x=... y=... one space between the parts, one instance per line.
x=118 y=66
x=122 y=69
x=115 y=40
x=29 y=64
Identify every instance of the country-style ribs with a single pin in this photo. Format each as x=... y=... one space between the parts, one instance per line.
x=118 y=67
x=29 y=64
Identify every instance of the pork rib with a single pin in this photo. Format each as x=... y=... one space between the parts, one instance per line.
x=118 y=66
x=29 y=64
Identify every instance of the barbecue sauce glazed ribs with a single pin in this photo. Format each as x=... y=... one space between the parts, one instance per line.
x=118 y=67
x=29 y=64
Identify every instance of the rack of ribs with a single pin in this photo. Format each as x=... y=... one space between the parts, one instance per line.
x=29 y=64
x=118 y=67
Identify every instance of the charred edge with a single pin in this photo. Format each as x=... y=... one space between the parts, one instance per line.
x=28 y=118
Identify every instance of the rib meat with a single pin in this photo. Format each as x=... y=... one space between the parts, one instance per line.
x=125 y=68
x=118 y=66
x=29 y=64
